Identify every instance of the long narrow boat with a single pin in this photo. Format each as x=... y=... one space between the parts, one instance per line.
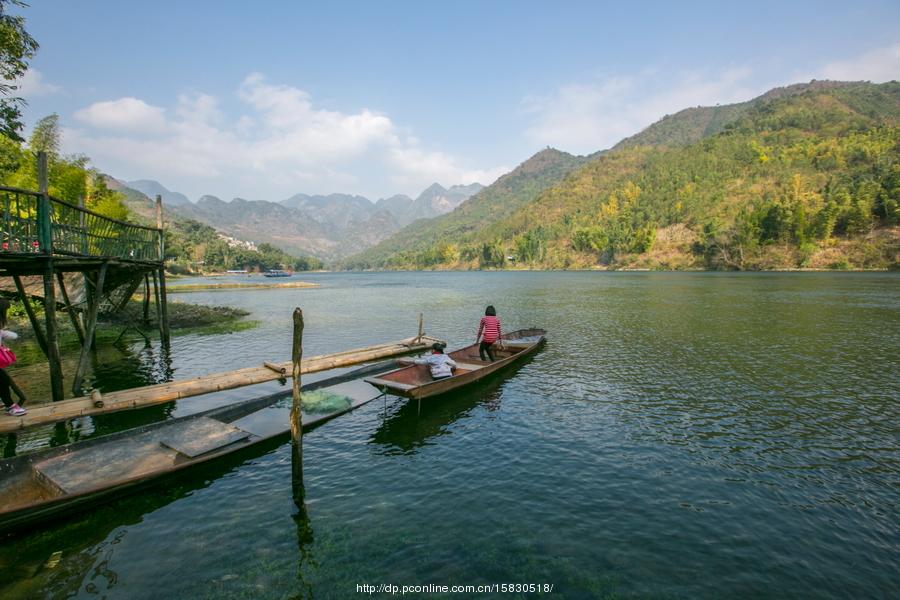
x=415 y=381
x=51 y=483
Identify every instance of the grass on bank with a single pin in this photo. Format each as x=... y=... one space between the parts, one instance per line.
x=184 y=319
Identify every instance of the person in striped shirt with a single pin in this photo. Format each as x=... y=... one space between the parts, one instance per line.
x=488 y=333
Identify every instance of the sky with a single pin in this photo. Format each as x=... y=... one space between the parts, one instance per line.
x=263 y=100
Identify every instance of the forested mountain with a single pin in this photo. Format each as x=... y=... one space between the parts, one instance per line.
x=803 y=176
x=693 y=124
x=416 y=244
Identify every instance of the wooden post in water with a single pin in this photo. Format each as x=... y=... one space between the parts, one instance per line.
x=296 y=414
x=45 y=236
x=90 y=329
x=163 y=309
x=421 y=327
x=146 y=299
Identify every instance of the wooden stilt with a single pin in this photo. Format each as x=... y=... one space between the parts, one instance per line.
x=296 y=413
x=156 y=297
x=69 y=309
x=91 y=326
x=161 y=297
x=35 y=324
x=421 y=327
x=146 y=299
x=53 y=355
x=164 y=311
x=45 y=242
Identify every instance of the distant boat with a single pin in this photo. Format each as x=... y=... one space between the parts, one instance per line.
x=277 y=273
x=237 y=271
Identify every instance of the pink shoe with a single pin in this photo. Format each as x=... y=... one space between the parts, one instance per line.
x=16 y=411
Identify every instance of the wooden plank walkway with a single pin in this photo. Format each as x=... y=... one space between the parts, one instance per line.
x=165 y=392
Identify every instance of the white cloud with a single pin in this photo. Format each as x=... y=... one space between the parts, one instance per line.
x=124 y=114
x=587 y=117
x=879 y=65
x=32 y=85
x=279 y=144
x=416 y=168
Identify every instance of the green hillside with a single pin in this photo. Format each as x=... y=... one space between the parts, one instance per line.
x=798 y=178
x=415 y=243
x=693 y=124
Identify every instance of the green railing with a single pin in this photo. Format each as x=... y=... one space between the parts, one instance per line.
x=36 y=224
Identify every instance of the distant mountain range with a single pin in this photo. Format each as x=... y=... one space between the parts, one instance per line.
x=329 y=227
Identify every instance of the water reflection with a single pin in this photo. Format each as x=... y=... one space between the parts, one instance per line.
x=148 y=366
x=305 y=536
x=408 y=426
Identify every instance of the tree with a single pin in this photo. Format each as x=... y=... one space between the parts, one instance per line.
x=16 y=48
x=45 y=137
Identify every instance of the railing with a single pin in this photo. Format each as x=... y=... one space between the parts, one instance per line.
x=36 y=224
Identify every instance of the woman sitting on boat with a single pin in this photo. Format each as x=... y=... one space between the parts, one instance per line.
x=440 y=364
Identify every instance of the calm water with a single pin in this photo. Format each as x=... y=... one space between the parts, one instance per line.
x=680 y=436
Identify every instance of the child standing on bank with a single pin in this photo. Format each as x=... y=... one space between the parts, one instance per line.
x=488 y=333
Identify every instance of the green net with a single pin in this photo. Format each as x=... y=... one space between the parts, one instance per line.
x=323 y=402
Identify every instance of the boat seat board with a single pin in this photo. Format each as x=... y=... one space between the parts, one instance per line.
x=99 y=465
x=393 y=384
x=468 y=366
x=204 y=435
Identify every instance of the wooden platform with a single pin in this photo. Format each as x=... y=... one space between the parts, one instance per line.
x=165 y=392
x=204 y=435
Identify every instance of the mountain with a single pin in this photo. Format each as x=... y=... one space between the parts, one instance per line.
x=803 y=176
x=474 y=215
x=399 y=204
x=328 y=227
x=345 y=211
x=260 y=221
x=151 y=189
x=437 y=200
x=693 y=124
x=339 y=210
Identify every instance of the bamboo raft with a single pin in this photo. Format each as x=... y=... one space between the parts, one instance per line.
x=205 y=384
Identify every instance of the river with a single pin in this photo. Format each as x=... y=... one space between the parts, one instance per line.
x=696 y=435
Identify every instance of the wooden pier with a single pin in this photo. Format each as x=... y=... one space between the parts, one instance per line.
x=50 y=240
x=165 y=392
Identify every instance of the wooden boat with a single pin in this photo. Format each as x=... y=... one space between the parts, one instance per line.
x=50 y=483
x=415 y=381
x=277 y=273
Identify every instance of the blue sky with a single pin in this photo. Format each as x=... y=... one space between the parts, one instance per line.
x=264 y=100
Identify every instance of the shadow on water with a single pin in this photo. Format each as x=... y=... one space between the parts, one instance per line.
x=409 y=426
x=31 y=565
